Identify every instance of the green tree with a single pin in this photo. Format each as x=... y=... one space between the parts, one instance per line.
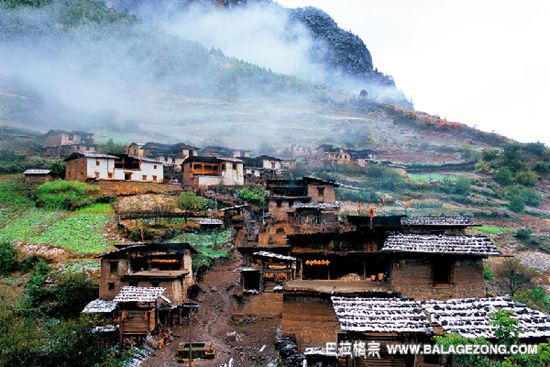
x=506 y=330
x=534 y=297
x=8 y=258
x=511 y=276
x=190 y=202
x=523 y=234
x=526 y=177
x=462 y=186
x=110 y=147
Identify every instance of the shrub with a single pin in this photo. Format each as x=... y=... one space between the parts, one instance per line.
x=70 y=293
x=462 y=186
x=8 y=258
x=68 y=195
x=527 y=178
x=537 y=148
x=542 y=167
x=254 y=194
x=357 y=195
x=382 y=177
x=490 y=154
x=534 y=297
x=519 y=197
x=512 y=276
x=504 y=176
x=488 y=274
x=523 y=234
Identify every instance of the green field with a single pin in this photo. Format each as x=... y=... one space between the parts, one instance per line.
x=430 y=177
x=488 y=229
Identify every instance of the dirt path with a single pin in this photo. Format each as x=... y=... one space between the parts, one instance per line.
x=212 y=324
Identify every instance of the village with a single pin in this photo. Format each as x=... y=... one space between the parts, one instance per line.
x=310 y=278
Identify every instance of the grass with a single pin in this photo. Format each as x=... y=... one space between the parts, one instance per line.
x=28 y=224
x=100 y=208
x=81 y=233
x=12 y=192
x=430 y=177
x=492 y=230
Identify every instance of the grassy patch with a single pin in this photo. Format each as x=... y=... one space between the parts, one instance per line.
x=101 y=208
x=488 y=229
x=12 y=192
x=430 y=177
x=81 y=233
x=29 y=224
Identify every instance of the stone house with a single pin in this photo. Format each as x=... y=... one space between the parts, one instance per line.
x=95 y=166
x=331 y=155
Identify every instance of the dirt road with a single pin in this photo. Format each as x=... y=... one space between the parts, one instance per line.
x=212 y=324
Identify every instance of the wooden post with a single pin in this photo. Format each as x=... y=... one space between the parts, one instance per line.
x=364 y=269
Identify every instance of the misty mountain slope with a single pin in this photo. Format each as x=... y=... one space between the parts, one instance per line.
x=81 y=64
x=304 y=42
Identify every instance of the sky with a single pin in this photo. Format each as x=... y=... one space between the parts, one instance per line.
x=485 y=63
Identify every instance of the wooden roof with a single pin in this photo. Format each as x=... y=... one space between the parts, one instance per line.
x=458 y=220
x=471 y=317
x=139 y=294
x=440 y=244
x=380 y=315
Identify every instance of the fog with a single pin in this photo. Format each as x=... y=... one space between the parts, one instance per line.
x=163 y=76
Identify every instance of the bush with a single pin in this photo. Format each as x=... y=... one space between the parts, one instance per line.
x=462 y=186
x=534 y=297
x=490 y=154
x=189 y=202
x=526 y=178
x=519 y=197
x=537 y=148
x=8 y=258
x=523 y=234
x=382 y=177
x=504 y=176
x=254 y=194
x=68 y=195
x=357 y=195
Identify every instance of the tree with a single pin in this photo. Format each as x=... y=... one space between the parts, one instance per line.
x=504 y=176
x=189 y=202
x=8 y=258
x=506 y=330
x=534 y=297
x=111 y=147
x=511 y=276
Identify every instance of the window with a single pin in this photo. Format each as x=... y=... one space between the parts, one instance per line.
x=97 y=175
x=442 y=271
x=234 y=166
x=97 y=162
x=154 y=178
x=127 y=176
x=133 y=283
x=320 y=191
x=155 y=166
x=113 y=267
x=111 y=285
x=155 y=284
x=144 y=177
x=110 y=175
x=279 y=203
x=280 y=230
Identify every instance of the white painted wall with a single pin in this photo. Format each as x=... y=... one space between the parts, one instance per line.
x=233 y=177
x=107 y=165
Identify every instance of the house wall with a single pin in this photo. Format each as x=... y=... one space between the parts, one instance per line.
x=233 y=174
x=328 y=196
x=135 y=150
x=309 y=318
x=76 y=169
x=269 y=164
x=413 y=277
x=101 y=166
x=63 y=139
x=107 y=277
x=188 y=265
x=38 y=178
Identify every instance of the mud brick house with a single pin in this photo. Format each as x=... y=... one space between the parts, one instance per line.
x=62 y=143
x=171 y=155
x=331 y=156
x=299 y=206
x=438 y=266
x=201 y=171
x=393 y=320
x=362 y=158
x=258 y=170
x=95 y=166
x=38 y=175
x=219 y=151
x=155 y=265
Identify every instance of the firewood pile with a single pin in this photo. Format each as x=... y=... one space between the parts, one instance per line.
x=465 y=245
x=351 y=277
x=436 y=221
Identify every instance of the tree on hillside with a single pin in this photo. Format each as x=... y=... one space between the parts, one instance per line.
x=111 y=147
x=511 y=276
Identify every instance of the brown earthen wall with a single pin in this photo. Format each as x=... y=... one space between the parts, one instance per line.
x=413 y=278
x=76 y=169
x=310 y=319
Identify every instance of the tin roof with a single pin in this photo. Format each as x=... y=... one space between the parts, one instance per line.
x=37 y=171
